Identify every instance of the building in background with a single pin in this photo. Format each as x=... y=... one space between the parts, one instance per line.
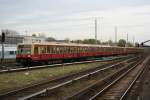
x=33 y=39
x=13 y=37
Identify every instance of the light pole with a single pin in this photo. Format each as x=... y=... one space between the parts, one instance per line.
x=116 y=35
x=127 y=41
x=2 y=40
x=133 y=41
x=95 y=31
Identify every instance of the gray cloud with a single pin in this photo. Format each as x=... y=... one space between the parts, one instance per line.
x=70 y=18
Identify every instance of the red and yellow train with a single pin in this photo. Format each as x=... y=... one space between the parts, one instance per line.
x=49 y=52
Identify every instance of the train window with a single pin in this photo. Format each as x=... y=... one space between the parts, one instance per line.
x=97 y=49
x=43 y=50
x=76 y=49
x=104 y=49
x=24 y=49
x=53 y=50
x=69 y=50
x=62 y=50
x=11 y=52
x=48 y=49
x=89 y=49
x=84 y=49
x=57 y=50
x=72 y=49
x=66 y=49
x=80 y=49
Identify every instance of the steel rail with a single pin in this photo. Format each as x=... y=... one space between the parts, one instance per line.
x=100 y=83
x=54 y=80
x=136 y=78
x=70 y=81
x=115 y=81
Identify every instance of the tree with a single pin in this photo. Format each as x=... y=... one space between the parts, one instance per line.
x=34 y=35
x=50 y=39
x=110 y=42
x=137 y=44
x=90 y=41
x=77 y=41
x=86 y=41
x=122 y=43
x=67 y=40
x=129 y=44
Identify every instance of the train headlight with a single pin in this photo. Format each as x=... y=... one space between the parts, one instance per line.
x=29 y=56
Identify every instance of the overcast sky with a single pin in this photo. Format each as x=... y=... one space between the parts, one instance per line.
x=74 y=19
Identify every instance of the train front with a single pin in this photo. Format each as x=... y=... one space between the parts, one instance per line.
x=24 y=53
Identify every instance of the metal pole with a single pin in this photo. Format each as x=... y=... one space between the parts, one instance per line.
x=127 y=37
x=96 y=31
x=133 y=40
x=115 y=34
x=2 y=59
x=2 y=41
x=127 y=41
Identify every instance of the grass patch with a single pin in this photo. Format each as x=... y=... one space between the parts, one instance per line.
x=13 y=80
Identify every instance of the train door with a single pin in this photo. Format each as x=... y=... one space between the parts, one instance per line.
x=36 y=52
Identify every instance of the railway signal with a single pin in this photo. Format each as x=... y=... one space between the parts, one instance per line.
x=3 y=40
x=3 y=37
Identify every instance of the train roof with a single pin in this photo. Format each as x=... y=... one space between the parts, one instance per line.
x=70 y=44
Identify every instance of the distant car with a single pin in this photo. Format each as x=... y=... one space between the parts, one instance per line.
x=28 y=54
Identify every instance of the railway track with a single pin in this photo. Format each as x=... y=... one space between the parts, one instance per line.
x=8 y=69
x=113 y=87
x=58 y=82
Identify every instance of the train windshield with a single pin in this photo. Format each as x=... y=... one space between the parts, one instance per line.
x=24 y=49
